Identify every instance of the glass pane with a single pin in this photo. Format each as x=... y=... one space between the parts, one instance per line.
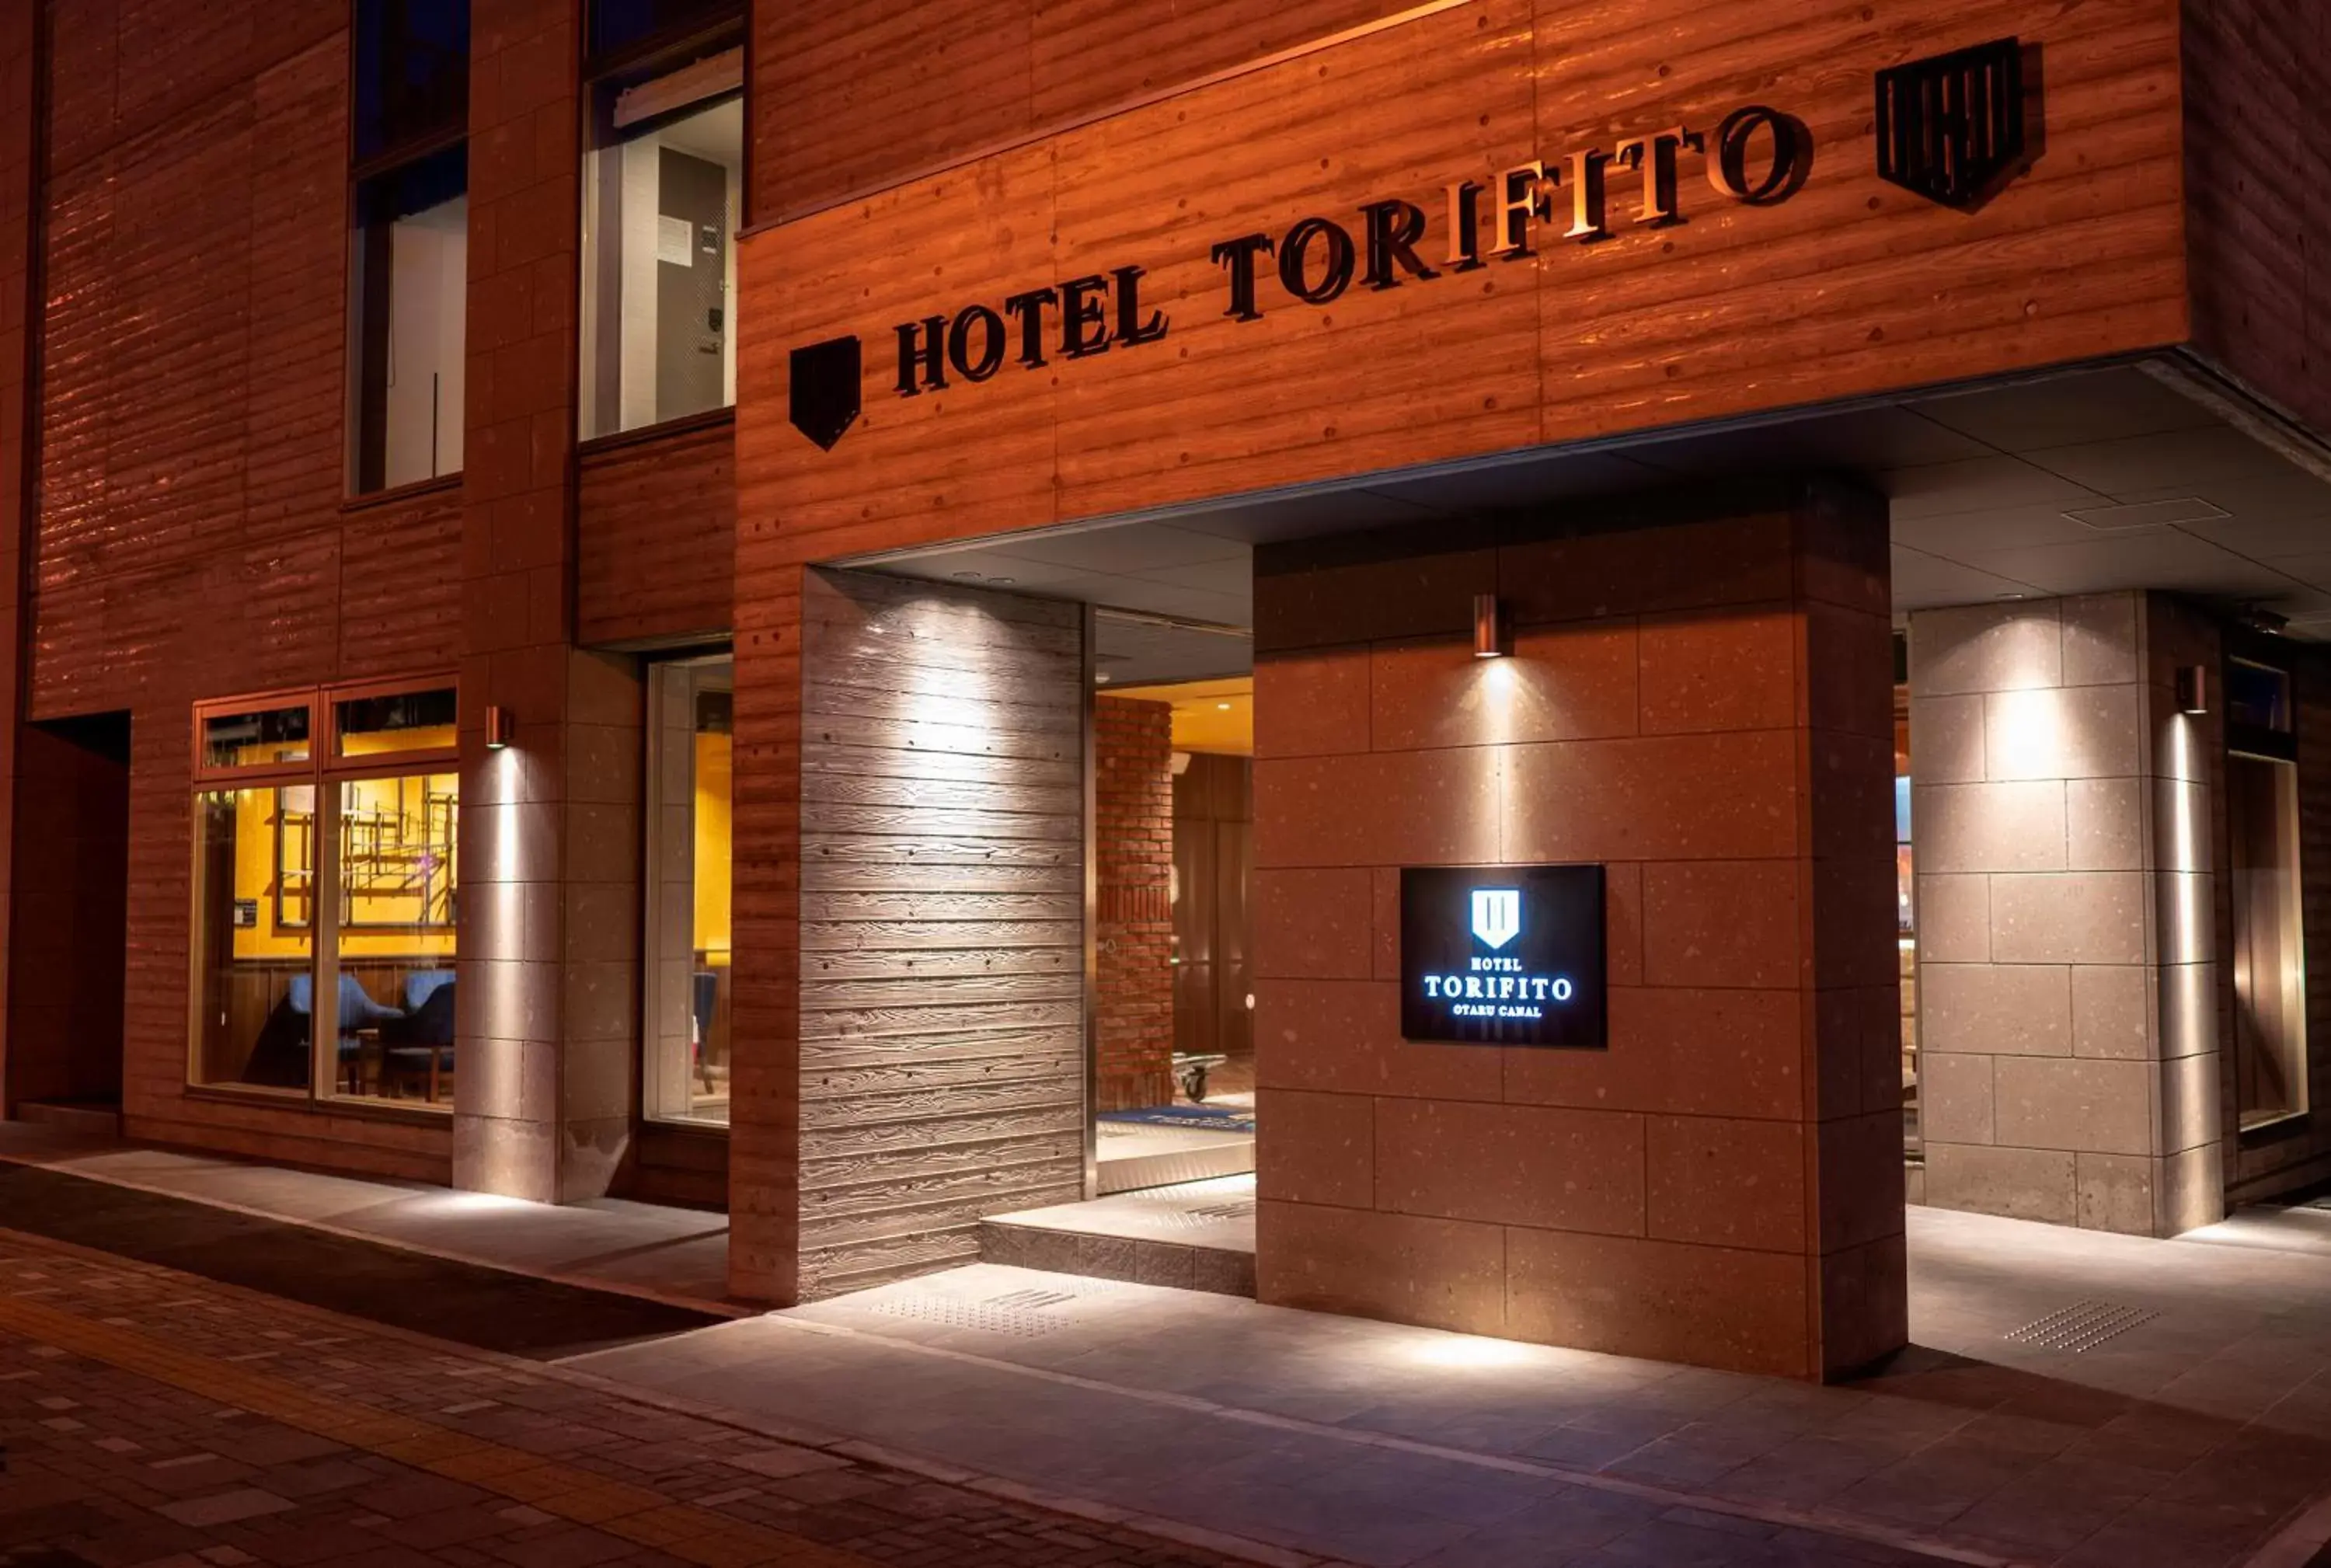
x=2268 y=945
x=412 y=71
x=395 y=945
x=412 y=261
x=404 y=721
x=254 y=924
x=662 y=189
x=2257 y=695
x=266 y=735
x=686 y=1074
x=617 y=24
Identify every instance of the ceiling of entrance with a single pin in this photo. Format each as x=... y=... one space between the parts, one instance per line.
x=2079 y=483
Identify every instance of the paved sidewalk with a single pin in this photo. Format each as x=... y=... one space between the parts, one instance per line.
x=2194 y=1433
x=149 y=1419
x=678 y=1256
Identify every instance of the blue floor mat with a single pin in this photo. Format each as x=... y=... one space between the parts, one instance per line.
x=1223 y=1117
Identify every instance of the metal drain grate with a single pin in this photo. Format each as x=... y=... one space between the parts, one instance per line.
x=2083 y=1325
x=1237 y=1208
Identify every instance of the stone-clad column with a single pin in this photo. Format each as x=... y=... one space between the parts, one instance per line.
x=1698 y=699
x=2062 y=828
x=550 y=827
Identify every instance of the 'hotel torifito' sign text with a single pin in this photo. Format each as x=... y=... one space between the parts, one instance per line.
x=1950 y=128
x=1502 y=955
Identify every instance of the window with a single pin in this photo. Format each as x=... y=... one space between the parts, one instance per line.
x=409 y=257
x=619 y=24
x=326 y=897
x=662 y=185
x=685 y=1076
x=412 y=296
x=412 y=73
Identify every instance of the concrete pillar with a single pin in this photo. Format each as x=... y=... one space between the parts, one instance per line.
x=550 y=826
x=1698 y=700
x=2063 y=830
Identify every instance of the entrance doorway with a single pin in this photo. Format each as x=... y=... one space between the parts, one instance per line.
x=1174 y=1023
x=68 y=936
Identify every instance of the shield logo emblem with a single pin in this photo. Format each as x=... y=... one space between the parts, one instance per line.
x=821 y=389
x=1497 y=915
x=1951 y=128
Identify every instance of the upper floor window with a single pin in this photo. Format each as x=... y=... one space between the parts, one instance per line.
x=662 y=185
x=412 y=73
x=409 y=258
x=617 y=25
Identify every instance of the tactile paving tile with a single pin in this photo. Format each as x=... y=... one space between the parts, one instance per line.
x=2080 y=1327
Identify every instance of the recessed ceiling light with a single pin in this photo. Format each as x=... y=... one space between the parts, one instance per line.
x=974 y=577
x=1223 y=706
x=1100 y=677
x=1000 y=581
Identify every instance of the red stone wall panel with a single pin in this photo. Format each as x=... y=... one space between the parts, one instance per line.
x=1743 y=1123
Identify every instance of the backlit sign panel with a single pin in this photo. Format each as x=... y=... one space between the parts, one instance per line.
x=1502 y=955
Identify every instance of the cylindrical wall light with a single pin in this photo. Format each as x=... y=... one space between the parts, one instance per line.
x=2192 y=688
x=501 y=725
x=1488 y=628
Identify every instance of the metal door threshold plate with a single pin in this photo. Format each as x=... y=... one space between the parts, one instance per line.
x=2083 y=1325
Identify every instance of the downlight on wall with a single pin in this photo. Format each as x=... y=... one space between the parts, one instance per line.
x=1488 y=627
x=501 y=727
x=2192 y=688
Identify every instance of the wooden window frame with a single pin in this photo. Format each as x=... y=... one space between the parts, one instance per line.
x=326 y=772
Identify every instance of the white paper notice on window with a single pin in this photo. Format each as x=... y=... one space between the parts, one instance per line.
x=673 y=241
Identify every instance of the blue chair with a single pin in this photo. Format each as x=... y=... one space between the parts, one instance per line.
x=279 y=1057
x=420 y=1042
x=705 y=995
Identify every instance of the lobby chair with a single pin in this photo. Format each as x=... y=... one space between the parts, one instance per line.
x=420 y=1044
x=279 y=1059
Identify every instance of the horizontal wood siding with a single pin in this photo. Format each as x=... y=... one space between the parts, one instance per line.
x=851 y=98
x=656 y=538
x=942 y=942
x=2258 y=180
x=192 y=538
x=1851 y=287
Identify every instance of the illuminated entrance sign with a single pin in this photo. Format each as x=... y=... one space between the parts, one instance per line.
x=1502 y=955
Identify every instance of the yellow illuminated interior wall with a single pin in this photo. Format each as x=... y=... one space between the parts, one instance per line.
x=1216 y=715
x=256 y=810
x=714 y=754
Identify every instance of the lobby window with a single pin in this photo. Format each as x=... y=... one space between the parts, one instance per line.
x=663 y=188
x=409 y=254
x=687 y=1040
x=2262 y=832
x=325 y=895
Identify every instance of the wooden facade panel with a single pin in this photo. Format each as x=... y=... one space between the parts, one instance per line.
x=400 y=587
x=656 y=538
x=192 y=540
x=926 y=1052
x=2258 y=189
x=1848 y=286
x=852 y=97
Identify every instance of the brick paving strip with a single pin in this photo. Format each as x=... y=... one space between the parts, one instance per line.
x=249 y=1429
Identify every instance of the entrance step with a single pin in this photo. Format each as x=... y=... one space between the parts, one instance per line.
x=1196 y=1236
x=83 y=1119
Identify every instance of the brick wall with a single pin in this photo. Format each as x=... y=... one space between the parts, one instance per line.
x=1133 y=853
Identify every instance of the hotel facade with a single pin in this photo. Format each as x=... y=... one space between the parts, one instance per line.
x=1604 y=641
